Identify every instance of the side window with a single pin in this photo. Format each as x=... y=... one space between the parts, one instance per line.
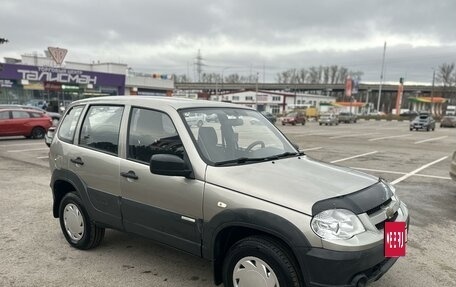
x=68 y=125
x=4 y=115
x=101 y=127
x=152 y=132
x=20 y=115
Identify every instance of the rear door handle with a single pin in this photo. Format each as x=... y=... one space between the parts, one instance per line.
x=77 y=160
x=130 y=174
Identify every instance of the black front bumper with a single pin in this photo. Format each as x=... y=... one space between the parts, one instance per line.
x=336 y=268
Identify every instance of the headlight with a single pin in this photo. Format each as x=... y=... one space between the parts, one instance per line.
x=336 y=224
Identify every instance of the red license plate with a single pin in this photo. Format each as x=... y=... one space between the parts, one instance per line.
x=395 y=239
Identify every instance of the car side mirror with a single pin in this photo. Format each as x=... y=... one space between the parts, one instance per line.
x=169 y=164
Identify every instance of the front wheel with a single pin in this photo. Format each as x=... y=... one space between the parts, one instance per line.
x=259 y=261
x=77 y=227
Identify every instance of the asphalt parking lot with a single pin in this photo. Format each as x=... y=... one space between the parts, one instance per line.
x=33 y=252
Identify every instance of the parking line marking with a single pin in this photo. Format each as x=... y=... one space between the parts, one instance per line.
x=379 y=170
x=432 y=139
x=24 y=150
x=355 y=156
x=432 y=176
x=390 y=137
x=42 y=157
x=313 y=148
x=352 y=135
x=417 y=170
x=10 y=145
x=401 y=173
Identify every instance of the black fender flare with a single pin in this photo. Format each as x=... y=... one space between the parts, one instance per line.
x=259 y=220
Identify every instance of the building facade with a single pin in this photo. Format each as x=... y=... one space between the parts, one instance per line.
x=35 y=80
x=274 y=102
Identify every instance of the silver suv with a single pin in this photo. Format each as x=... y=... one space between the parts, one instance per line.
x=236 y=193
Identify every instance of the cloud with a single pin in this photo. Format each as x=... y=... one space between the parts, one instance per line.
x=249 y=35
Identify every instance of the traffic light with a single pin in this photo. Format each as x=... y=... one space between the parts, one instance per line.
x=401 y=80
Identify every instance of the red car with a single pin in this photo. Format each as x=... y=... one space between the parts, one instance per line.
x=294 y=118
x=20 y=122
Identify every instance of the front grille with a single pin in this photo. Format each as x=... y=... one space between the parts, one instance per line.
x=377 y=208
x=381 y=225
x=379 y=214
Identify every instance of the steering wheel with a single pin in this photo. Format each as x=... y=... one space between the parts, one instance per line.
x=255 y=143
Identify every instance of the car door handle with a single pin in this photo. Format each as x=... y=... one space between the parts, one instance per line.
x=77 y=160
x=130 y=174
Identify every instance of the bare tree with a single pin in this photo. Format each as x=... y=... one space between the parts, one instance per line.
x=446 y=75
x=181 y=78
x=326 y=75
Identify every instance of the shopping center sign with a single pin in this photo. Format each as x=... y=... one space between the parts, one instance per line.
x=58 y=54
x=19 y=73
x=50 y=74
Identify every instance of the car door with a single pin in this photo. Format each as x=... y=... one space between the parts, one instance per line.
x=94 y=158
x=5 y=126
x=164 y=208
x=19 y=122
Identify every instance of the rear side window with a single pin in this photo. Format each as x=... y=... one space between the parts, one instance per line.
x=152 y=132
x=101 y=127
x=36 y=115
x=68 y=125
x=20 y=115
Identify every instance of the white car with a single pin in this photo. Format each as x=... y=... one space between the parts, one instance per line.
x=195 y=119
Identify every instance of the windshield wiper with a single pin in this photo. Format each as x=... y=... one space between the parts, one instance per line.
x=257 y=159
x=238 y=160
x=282 y=155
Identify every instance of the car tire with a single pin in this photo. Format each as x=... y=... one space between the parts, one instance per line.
x=270 y=261
x=320 y=124
x=77 y=227
x=38 y=133
x=428 y=129
x=411 y=130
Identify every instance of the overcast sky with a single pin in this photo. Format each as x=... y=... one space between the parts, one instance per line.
x=239 y=36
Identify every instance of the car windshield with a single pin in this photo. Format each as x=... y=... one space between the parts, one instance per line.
x=291 y=115
x=238 y=136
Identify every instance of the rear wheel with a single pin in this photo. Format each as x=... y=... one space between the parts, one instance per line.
x=38 y=133
x=77 y=227
x=259 y=261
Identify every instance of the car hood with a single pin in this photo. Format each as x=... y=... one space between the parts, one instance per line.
x=296 y=182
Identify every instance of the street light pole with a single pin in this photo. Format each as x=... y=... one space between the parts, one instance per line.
x=432 y=91
x=381 y=78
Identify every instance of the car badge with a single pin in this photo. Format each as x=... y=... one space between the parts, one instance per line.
x=389 y=213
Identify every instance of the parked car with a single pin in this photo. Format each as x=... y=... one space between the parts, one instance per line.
x=218 y=192
x=212 y=118
x=453 y=167
x=348 y=118
x=294 y=118
x=55 y=116
x=195 y=119
x=328 y=119
x=448 y=122
x=21 y=122
x=270 y=117
x=423 y=121
x=49 y=136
